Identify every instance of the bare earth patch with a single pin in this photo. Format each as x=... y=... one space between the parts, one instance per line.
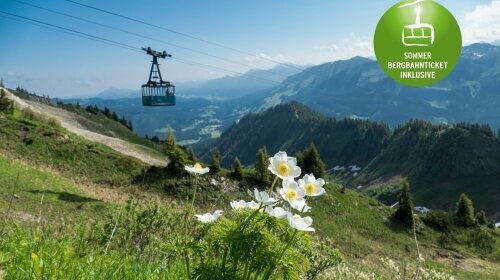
x=73 y=122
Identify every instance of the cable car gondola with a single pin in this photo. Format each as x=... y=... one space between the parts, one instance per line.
x=157 y=92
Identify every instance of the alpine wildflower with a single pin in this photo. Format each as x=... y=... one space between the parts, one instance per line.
x=196 y=169
x=284 y=166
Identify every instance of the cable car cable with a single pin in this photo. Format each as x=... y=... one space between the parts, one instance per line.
x=125 y=46
x=183 y=34
x=145 y=37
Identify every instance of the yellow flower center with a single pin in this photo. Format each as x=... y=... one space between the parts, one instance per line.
x=310 y=188
x=291 y=195
x=198 y=166
x=34 y=256
x=283 y=169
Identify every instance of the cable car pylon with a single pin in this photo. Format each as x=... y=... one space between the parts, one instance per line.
x=157 y=92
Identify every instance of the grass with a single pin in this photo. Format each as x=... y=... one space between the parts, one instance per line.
x=362 y=229
x=358 y=225
x=28 y=191
x=104 y=125
x=63 y=151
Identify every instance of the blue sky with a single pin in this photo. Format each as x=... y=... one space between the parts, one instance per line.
x=298 y=31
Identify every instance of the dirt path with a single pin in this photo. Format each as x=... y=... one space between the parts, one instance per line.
x=73 y=122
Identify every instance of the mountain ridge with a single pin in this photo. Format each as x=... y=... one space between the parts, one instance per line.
x=429 y=155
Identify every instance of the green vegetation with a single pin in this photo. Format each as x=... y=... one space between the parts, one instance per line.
x=404 y=213
x=6 y=105
x=464 y=213
x=215 y=164
x=147 y=239
x=175 y=154
x=481 y=218
x=458 y=158
x=311 y=162
x=292 y=127
x=33 y=138
x=28 y=192
x=263 y=174
x=237 y=170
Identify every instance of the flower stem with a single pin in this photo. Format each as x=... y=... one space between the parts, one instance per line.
x=186 y=227
x=249 y=218
x=270 y=271
x=224 y=259
x=272 y=185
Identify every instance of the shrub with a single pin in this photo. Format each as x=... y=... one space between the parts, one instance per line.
x=322 y=257
x=482 y=240
x=254 y=241
x=29 y=114
x=6 y=105
x=439 y=220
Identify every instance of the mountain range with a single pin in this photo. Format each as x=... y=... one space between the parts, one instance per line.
x=356 y=88
x=450 y=158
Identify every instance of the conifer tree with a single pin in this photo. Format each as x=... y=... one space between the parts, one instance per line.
x=114 y=116
x=300 y=160
x=107 y=112
x=464 y=213
x=237 y=169
x=481 y=218
x=215 y=165
x=261 y=165
x=190 y=154
x=404 y=213
x=176 y=156
x=311 y=162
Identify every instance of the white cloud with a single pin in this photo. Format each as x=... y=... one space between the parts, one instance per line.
x=482 y=24
x=346 y=48
x=264 y=61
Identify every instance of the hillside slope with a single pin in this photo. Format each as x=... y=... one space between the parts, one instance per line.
x=292 y=127
x=87 y=129
x=441 y=162
x=456 y=158
x=358 y=87
x=358 y=225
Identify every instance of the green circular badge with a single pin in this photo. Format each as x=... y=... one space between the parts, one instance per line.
x=418 y=42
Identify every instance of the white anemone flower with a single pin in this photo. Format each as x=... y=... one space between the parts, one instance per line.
x=299 y=223
x=209 y=217
x=277 y=212
x=311 y=185
x=300 y=205
x=294 y=195
x=263 y=197
x=238 y=204
x=196 y=169
x=284 y=166
x=253 y=205
x=290 y=191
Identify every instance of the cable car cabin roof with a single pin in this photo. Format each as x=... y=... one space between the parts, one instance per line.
x=163 y=95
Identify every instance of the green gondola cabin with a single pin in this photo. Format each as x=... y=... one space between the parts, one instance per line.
x=157 y=92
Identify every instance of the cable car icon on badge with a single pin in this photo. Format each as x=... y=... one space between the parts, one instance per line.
x=418 y=34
